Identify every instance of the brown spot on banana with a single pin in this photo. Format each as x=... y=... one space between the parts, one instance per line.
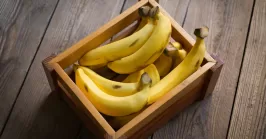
x=197 y=63
x=116 y=86
x=132 y=44
x=86 y=88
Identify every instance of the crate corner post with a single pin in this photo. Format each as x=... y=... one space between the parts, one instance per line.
x=50 y=72
x=212 y=77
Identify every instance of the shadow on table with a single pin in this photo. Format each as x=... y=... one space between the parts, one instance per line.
x=54 y=120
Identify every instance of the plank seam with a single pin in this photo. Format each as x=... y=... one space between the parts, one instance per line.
x=23 y=82
x=241 y=66
x=185 y=17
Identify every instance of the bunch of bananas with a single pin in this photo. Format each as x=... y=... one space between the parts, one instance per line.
x=148 y=65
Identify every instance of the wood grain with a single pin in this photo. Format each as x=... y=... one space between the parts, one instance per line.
x=38 y=114
x=228 y=22
x=22 y=26
x=249 y=115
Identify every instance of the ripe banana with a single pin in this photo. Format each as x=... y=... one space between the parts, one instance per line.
x=111 y=87
x=163 y=64
x=151 y=70
x=149 y=52
x=180 y=53
x=134 y=77
x=118 y=49
x=113 y=105
x=188 y=66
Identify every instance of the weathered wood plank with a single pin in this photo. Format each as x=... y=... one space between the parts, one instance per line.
x=22 y=26
x=249 y=115
x=228 y=22
x=38 y=113
x=176 y=8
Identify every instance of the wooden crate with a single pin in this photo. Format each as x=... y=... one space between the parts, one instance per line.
x=196 y=87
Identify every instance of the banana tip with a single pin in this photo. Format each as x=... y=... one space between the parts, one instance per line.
x=146 y=78
x=144 y=11
x=202 y=32
x=75 y=67
x=154 y=11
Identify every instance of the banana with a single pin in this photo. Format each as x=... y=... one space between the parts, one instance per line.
x=111 y=87
x=151 y=70
x=113 y=105
x=177 y=45
x=134 y=77
x=188 y=66
x=180 y=54
x=118 y=49
x=163 y=64
x=149 y=52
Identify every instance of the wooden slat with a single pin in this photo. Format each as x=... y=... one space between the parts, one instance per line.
x=249 y=115
x=228 y=22
x=37 y=113
x=22 y=25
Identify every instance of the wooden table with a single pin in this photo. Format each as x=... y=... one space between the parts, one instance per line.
x=31 y=30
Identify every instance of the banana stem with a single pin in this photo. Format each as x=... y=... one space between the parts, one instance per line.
x=154 y=12
x=170 y=51
x=75 y=67
x=144 y=11
x=145 y=80
x=202 y=32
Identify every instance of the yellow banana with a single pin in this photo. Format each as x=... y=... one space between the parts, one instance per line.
x=163 y=64
x=188 y=66
x=111 y=87
x=180 y=53
x=118 y=49
x=177 y=45
x=149 y=52
x=151 y=70
x=113 y=105
x=134 y=77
